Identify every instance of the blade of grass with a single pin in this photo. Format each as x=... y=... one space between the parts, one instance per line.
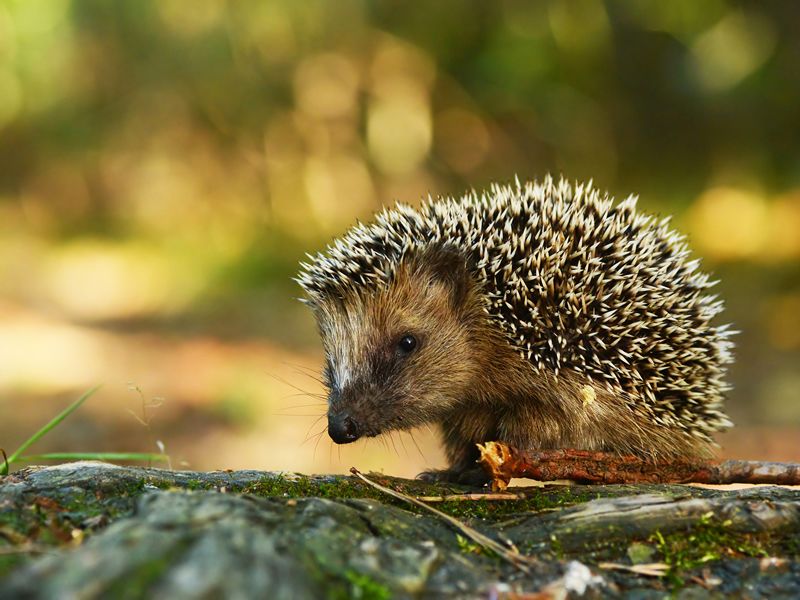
x=47 y=428
x=143 y=456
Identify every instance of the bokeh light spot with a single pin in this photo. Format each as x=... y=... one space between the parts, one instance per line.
x=339 y=190
x=194 y=20
x=95 y=280
x=399 y=129
x=729 y=223
x=580 y=26
x=42 y=355
x=326 y=86
x=731 y=50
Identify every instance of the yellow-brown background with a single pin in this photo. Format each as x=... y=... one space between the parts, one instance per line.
x=164 y=165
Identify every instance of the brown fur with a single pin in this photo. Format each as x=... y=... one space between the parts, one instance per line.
x=466 y=376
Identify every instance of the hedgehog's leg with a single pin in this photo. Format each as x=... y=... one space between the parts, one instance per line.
x=463 y=468
x=461 y=432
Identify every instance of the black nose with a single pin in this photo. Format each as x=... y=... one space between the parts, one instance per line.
x=342 y=428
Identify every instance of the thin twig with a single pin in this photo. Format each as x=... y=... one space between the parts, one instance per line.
x=649 y=569
x=475 y=497
x=520 y=561
x=26 y=549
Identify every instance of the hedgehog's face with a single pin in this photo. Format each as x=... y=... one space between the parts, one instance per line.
x=398 y=357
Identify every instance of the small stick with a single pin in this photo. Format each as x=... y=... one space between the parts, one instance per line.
x=503 y=463
x=26 y=549
x=520 y=561
x=462 y=497
x=649 y=569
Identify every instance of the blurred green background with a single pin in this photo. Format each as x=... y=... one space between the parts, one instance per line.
x=164 y=165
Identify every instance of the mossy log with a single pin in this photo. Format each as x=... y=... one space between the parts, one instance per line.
x=93 y=530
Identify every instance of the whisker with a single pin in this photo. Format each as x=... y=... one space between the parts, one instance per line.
x=316 y=437
x=307 y=395
x=285 y=414
x=295 y=365
x=402 y=443
x=312 y=404
x=291 y=385
x=298 y=366
x=319 y=437
x=304 y=370
x=308 y=405
x=411 y=435
x=316 y=378
x=310 y=427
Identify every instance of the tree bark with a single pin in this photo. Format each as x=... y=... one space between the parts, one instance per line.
x=504 y=463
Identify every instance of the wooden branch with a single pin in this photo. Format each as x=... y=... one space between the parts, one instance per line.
x=503 y=463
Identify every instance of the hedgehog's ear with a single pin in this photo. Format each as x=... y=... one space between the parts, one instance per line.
x=448 y=267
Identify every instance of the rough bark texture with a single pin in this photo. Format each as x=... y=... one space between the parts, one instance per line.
x=503 y=463
x=91 y=530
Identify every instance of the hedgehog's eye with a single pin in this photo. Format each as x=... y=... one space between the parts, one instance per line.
x=407 y=344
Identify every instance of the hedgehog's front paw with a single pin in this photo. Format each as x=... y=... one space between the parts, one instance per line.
x=437 y=476
x=473 y=476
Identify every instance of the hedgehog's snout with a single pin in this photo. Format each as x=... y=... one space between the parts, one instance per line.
x=343 y=428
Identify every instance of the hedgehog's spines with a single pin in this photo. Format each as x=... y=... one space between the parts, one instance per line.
x=575 y=282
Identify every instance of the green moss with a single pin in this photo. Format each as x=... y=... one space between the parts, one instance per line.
x=329 y=569
x=711 y=540
x=15 y=525
x=50 y=519
x=160 y=484
x=136 y=583
x=468 y=547
x=10 y=562
x=305 y=487
x=196 y=484
x=360 y=586
x=556 y=547
x=547 y=498
x=134 y=488
x=31 y=524
x=792 y=546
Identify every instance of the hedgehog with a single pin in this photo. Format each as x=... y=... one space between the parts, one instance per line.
x=543 y=315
